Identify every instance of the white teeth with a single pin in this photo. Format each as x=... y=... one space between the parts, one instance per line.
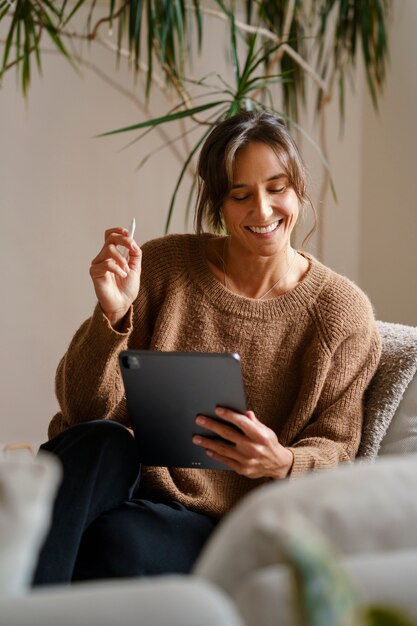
x=262 y=230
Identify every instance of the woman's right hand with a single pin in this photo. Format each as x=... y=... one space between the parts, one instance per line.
x=116 y=279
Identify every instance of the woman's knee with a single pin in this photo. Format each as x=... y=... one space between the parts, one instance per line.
x=94 y=432
x=93 y=442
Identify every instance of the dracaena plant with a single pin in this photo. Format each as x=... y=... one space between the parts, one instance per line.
x=274 y=46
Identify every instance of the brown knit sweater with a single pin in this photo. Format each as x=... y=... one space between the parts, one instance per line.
x=307 y=357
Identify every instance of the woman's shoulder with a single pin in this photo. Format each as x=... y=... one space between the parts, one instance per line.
x=175 y=243
x=342 y=307
x=169 y=252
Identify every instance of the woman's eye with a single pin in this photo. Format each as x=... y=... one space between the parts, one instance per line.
x=240 y=198
x=278 y=190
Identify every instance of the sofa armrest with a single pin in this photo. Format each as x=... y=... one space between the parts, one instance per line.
x=265 y=597
x=157 y=601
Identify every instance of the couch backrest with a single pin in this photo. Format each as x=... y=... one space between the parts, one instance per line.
x=390 y=423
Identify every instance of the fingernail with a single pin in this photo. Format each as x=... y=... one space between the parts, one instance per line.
x=200 y=420
x=196 y=439
x=219 y=411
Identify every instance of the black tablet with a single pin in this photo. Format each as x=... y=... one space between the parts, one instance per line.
x=165 y=391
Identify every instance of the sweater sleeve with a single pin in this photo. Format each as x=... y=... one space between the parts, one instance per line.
x=88 y=383
x=332 y=434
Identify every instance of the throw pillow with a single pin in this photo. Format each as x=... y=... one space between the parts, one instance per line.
x=27 y=488
x=401 y=436
x=397 y=367
x=359 y=508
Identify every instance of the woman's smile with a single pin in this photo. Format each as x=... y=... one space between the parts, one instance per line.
x=266 y=231
x=262 y=207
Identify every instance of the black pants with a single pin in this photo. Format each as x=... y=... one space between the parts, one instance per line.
x=101 y=528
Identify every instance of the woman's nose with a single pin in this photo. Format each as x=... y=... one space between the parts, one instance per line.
x=262 y=206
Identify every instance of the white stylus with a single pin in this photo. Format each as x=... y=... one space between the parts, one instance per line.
x=124 y=251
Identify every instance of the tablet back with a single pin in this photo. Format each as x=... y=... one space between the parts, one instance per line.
x=165 y=391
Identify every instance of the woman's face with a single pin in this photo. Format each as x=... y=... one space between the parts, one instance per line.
x=262 y=208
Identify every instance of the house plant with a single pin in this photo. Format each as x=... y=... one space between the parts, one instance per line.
x=274 y=45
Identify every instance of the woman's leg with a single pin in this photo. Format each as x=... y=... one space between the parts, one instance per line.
x=100 y=471
x=142 y=538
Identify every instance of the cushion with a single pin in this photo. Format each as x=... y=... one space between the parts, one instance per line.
x=401 y=436
x=27 y=488
x=397 y=368
x=151 y=601
x=267 y=596
x=359 y=508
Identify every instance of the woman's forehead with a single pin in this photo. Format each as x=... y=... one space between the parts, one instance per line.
x=260 y=159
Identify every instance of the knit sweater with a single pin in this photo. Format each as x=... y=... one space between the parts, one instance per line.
x=307 y=356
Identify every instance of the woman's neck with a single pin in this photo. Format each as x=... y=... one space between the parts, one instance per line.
x=259 y=277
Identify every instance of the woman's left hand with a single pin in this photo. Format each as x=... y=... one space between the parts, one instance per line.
x=255 y=451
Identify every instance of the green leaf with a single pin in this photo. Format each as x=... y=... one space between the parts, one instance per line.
x=9 y=39
x=111 y=12
x=136 y=26
x=151 y=29
x=51 y=7
x=165 y=118
x=181 y=176
x=73 y=12
x=4 y=9
x=387 y=616
x=26 y=51
x=234 y=51
x=199 y=20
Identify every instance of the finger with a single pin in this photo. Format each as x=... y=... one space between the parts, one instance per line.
x=135 y=255
x=219 y=447
x=118 y=238
x=99 y=270
x=240 y=468
x=117 y=230
x=223 y=430
x=234 y=465
x=111 y=252
x=248 y=426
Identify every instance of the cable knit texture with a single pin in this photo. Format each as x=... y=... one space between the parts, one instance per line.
x=307 y=357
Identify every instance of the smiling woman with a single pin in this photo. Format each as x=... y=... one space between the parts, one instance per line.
x=306 y=337
x=259 y=214
x=253 y=184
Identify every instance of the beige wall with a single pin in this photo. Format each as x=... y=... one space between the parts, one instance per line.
x=60 y=188
x=388 y=234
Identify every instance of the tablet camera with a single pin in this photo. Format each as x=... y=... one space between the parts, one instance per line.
x=131 y=362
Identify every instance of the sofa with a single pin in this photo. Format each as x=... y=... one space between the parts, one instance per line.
x=318 y=550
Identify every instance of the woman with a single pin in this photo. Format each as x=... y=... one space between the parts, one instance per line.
x=308 y=346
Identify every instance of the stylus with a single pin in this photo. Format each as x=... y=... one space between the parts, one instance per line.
x=124 y=251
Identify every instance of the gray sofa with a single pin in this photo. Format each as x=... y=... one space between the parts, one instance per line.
x=346 y=536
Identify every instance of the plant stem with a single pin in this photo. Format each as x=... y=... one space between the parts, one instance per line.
x=268 y=34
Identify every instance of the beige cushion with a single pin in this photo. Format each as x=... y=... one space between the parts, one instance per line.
x=384 y=396
x=153 y=601
x=401 y=436
x=266 y=597
x=27 y=488
x=359 y=508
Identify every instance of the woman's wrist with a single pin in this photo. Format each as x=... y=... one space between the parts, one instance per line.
x=117 y=320
x=285 y=465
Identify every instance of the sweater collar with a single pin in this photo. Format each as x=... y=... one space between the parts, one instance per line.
x=289 y=303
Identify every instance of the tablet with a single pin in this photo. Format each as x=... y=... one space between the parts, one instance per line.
x=165 y=391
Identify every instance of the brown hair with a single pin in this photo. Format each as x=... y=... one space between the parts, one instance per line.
x=217 y=158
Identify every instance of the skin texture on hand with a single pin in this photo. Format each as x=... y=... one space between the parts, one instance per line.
x=254 y=452
x=116 y=279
